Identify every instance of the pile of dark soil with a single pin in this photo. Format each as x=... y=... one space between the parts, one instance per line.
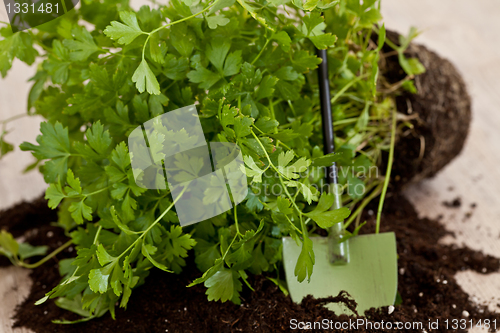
x=440 y=113
x=426 y=284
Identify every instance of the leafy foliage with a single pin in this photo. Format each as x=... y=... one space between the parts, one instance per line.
x=250 y=68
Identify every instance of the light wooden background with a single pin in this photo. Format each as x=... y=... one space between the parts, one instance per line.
x=464 y=31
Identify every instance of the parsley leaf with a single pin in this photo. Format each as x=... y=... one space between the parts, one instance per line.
x=145 y=79
x=124 y=33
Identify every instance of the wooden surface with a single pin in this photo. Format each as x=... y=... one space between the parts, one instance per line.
x=463 y=31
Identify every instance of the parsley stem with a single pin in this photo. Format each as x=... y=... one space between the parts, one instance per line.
x=64 y=6
x=261 y=51
x=53 y=254
x=290 y=197
x=184 y=18
x=388 y=172
x=347 y=86
x=171 y=24
x=97 y=234
x=293 y=225
x=236 y=221
x=365 y=202
x=265 y=153
x=154 y=223
x=279 y=176
x=19 y=116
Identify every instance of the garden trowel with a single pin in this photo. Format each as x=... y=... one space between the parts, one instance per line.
x=365 y=266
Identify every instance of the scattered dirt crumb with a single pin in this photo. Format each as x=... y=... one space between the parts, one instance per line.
x=455 y=203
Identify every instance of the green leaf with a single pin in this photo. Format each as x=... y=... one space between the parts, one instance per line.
x=207 y=253
x=103 y=256
x=254 y=12
x=412 y=66
x=243 y=126
x=5 y=147
x=145 y=79
x=119 y=224
x=324 y=217
x=157 y=48
x=79 y=211
x=148 y=250
x=217 y=51
x=381 y=37
x=217 y=20
x=283 y=40
x=98 y=139
x=323 y=41
x=266 y=87
x=27 y=251
x=305 y=261
x=287 y=73
x=99 y=278
x=83 y=45
x=232 y=64
x=356 y=187
x=116 y=279
x=54 y=194
x=266 y=124
x=204 y=76
x=224 y=286
x=327 y=160
x=292 y=171
x=8 y=244
x=220 y=5
x=254 y=170
x=309 y=193
x=310 y=4
x=124 y=33
x=284 y=205
x=53 y=145
x=74 y=187
x=18 y=45
x=303 y=61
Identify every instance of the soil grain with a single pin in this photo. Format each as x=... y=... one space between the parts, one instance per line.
x=426 y=284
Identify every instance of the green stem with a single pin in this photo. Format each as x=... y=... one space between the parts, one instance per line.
x=185 y=18
x=236 y=221
x=291 y=199
x=97 y=234
x=53 y=254
x=347 y=86
x=154 y=223
x=19 y=116
x=265 y=153
x=279 y=176
x=173 y=23
x=64 y=7
x=365 y=202
x=388 y=172
x=261 y=51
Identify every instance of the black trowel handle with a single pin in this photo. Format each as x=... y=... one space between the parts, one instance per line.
x=326 y=115
x=327 y=121
x=339 y=251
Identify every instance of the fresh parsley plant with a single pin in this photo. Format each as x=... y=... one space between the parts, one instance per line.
x=104 y=69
